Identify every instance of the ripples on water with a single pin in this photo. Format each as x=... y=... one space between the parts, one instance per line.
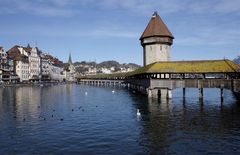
x=63 y=119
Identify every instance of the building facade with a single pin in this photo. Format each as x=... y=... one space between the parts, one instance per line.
x=34 y=65
x=45 y=69
x=20 y=61
x=156 y=41
x=5 y=72
x=56 y=73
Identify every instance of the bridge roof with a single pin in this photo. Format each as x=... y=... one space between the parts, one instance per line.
x=185 y=67
x=200 y=66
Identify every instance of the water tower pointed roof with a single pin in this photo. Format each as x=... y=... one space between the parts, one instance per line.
x=156 y=27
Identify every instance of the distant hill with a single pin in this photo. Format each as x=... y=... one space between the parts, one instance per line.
x=237 y=60
x=106 y=64
x=114 y=66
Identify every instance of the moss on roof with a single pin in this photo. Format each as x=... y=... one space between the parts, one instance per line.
x=205 y=66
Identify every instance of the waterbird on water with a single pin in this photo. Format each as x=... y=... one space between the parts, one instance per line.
x=85 y=93
x=113 y=91
x=138 y=112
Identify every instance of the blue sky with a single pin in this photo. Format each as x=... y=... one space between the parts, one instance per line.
x=99 y=30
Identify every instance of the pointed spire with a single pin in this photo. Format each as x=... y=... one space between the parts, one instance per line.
x=28 y=46
x=156 y=27
x=70 y=59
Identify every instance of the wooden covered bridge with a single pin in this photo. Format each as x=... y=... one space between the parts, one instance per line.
x=160 y=78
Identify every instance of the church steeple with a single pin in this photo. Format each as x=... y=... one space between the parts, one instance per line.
x=70 y=59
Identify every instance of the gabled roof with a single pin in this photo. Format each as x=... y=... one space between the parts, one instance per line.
x=156 y=27
x=200 y=66
x=16 y=55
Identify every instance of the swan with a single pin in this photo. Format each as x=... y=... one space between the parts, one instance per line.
x=113 y=91
x=138 y=112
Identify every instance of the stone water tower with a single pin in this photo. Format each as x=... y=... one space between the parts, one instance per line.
x=156 y=41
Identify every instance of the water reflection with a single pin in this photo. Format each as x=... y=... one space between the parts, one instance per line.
x=103 y=122
x=189 y=124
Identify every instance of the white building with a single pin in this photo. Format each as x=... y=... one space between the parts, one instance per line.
x=20 y=58
x=56 y=73
x=34 y=64
x=156 y=41
x=22 y=69
x=4 y=70
x=45 y=68
x=106 y=70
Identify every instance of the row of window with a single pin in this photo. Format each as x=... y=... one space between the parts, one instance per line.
x=160 y=47
x=34 y=60
x=23 y=67
x=24 y=76
x=34 y=72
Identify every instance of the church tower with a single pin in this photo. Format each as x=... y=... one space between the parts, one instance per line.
x=156 y=41
x=70 y=59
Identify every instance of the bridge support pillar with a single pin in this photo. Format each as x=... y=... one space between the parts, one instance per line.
x=156 y=93
x=149 y=92
x=160 y=93
x=200 y=93
x=169 y=94
x=221 y=93
x=184 y=92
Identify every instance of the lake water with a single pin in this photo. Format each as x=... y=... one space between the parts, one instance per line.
x=78 y=119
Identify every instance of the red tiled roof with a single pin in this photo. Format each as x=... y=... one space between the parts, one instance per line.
x=156 y=27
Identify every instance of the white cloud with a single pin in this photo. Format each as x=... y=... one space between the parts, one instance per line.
x=37 y=7
x=73 y=7
x=228 y=6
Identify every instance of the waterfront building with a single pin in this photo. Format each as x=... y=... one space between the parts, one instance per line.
x=34 y=64
x=31 y=64
x=5 y=72
x=156 y=41
x=45 y=69
x=21 y=62
x=52 y=68
x=56 y=72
